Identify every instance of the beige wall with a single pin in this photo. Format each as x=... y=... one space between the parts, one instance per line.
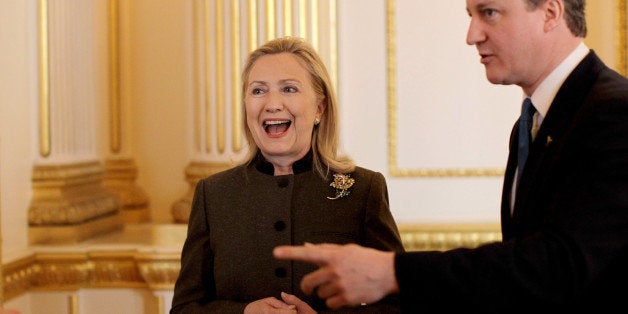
x=158 y=76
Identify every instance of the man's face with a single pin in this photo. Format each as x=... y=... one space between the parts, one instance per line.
x=508 y=36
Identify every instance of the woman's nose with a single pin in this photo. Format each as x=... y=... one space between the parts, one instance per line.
x=274 y=102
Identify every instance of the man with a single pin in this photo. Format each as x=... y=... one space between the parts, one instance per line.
x=564 y=211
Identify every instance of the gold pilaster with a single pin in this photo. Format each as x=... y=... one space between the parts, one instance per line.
x=44 y=81
x=114 y=78
x=253 y=30
x=271 y=29
x=236 y=106
x=208 y=77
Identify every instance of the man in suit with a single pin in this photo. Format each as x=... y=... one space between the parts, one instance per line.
x=564 y=208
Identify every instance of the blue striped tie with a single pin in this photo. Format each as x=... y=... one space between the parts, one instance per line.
x=525 y=138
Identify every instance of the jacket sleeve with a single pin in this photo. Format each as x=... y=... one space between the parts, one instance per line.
x=194 y=290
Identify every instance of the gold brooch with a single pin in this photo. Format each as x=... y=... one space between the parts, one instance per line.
x=342 y=183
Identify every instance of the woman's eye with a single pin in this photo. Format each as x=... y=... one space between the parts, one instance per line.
x=257 y=91
x=290 y=89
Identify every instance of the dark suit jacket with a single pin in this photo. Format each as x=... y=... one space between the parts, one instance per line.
x=566 y=244
x=239 y=216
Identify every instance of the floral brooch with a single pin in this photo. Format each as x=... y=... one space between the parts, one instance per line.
x=342 y=183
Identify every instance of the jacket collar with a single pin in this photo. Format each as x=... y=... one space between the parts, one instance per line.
x=302 y=165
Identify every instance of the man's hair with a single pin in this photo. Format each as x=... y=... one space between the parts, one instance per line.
x=574 y=15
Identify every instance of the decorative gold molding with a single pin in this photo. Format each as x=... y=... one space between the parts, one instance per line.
x=446 y=237
x=70 y=204
x=154 y=263
x=44 y=81
x=120 y=179
x=59 y=271
x=194 y=172
x=393 y=168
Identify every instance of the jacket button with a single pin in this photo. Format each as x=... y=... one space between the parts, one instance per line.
x=282 y=183
x=280 y=272
x=280 y=225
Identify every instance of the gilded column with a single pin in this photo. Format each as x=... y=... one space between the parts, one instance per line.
x=221 y=42
x=69 y=201
x=120 y=168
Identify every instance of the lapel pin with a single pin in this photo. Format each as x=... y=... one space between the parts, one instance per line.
x=548 y=140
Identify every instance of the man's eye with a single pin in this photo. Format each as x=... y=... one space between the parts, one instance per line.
x=489 y=12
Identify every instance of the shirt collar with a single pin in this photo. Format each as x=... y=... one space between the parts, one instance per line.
x=544 y=95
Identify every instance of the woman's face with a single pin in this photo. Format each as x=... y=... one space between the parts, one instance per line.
x=281 y=108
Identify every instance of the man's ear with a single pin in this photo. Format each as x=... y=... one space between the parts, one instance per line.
x=554 y=11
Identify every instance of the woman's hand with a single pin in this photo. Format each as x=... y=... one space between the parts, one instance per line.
x=301 y=306
x=269 y=305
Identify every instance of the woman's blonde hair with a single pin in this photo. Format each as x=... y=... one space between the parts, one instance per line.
x=325 y=137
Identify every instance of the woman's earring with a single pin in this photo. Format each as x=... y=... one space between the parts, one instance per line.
x=317 y=121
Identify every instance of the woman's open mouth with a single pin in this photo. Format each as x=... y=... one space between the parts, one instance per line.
x=276 y=127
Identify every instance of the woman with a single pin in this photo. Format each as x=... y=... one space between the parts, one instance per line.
x=293 y=188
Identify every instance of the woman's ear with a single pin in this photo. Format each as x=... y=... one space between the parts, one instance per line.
x=320 y=109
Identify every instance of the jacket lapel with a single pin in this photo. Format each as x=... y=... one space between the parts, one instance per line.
x=543 y=151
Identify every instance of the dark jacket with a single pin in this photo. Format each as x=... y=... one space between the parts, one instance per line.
x=238 y=216
x=566 y=245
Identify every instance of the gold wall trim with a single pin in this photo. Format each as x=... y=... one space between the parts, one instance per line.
x=622 y=40
x=287 y=18
x=236 y=108
x=60 y=271
x=220 y=75
x=253 y=30
x=44 y=81
x=333 y=42
x=314 y=24
x=73 y=304
x=393 y=168
x=303 y=20
x=448 y=236
x=271 y=27
x=157 y=268
x=114 y=76
x=207 y=27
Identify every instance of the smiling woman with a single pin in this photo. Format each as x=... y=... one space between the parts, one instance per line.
x=293 y=188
